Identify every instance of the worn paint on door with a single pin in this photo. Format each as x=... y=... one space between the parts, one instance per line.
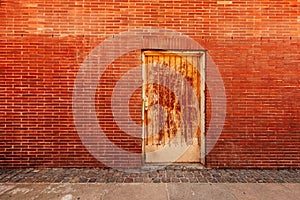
x=173 y=95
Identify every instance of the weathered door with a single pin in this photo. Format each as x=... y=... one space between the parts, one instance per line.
x=173 y=108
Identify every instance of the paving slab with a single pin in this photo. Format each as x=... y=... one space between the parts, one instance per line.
x=234 y=191
x=199 y=191
x=294 y=188
x=142 y=191
x=266 y=191
x=54 y=191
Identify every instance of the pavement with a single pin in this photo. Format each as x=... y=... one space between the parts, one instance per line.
x=170 y=183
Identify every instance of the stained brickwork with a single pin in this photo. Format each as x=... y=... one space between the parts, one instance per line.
x=255 y=45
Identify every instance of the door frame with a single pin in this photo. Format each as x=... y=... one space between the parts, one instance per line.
x=202 y=138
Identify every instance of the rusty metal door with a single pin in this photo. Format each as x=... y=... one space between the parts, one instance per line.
x=173 y=106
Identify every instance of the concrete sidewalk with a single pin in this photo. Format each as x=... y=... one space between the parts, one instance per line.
x=170 y=183
x=152 y=191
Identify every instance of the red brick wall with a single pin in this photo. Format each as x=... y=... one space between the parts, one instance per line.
x=255 y=45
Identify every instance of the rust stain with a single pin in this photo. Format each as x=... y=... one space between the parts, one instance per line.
x=172 y=109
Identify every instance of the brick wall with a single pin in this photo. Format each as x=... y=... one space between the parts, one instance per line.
x=255 y=45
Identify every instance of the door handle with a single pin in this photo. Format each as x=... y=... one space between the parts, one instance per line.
x=146 y=103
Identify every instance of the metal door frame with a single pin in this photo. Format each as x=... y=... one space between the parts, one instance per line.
x=201 y=103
